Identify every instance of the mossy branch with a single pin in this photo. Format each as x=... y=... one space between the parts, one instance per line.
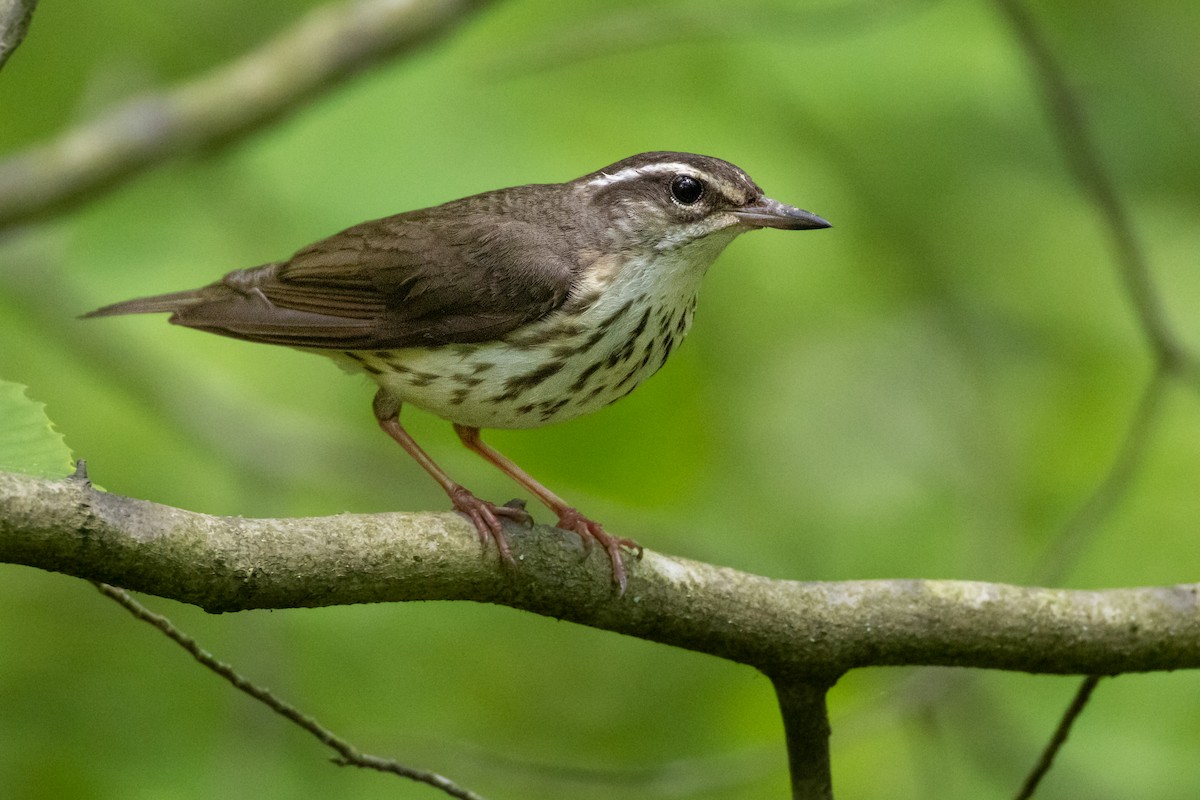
x=787 y=629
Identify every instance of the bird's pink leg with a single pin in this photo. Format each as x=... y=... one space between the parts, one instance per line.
x=569 y=518
x=484 y=515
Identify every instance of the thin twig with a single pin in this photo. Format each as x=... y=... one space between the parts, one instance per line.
x=325 y=48
x=1059 y=738
x=1067 y=545
x=1082 y=157
x=646 y=26
x=15 y=16
x=348 y=755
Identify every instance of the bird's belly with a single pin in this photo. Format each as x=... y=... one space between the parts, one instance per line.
x=549 y=372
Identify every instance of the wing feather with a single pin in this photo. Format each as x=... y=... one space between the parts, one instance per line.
x=425 y=278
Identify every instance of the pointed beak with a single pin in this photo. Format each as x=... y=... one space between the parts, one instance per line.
x=767 y=213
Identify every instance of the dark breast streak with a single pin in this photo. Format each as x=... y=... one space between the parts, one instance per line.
x=558 y=379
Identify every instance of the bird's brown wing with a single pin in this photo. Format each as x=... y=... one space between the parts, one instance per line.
x=403 y=281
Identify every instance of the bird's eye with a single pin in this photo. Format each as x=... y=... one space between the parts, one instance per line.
x=686 y=189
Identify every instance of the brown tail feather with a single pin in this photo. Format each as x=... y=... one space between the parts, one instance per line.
x=161 y=303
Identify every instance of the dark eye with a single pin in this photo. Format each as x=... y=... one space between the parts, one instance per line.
x=686 y=189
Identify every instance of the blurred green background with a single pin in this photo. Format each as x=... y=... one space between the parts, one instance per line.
x=931 y=389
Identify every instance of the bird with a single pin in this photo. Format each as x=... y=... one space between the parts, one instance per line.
x=514 y=308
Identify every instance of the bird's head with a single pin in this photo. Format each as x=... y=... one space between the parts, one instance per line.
x=664 y=201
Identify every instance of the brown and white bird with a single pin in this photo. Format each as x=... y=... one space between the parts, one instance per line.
x=513 y=308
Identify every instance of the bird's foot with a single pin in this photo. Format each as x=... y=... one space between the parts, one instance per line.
x=589 y=530
x=486 y=517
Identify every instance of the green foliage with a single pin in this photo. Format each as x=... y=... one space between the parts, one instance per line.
x=28 y=442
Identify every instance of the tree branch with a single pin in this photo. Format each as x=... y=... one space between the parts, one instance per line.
x=15 y=16
x=784 y=628
x=328 y=46
x=806 y=725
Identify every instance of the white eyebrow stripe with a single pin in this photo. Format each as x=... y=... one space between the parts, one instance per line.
x=728 y=189
x=630 y=173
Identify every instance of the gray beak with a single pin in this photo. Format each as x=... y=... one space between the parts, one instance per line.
x=767 y=213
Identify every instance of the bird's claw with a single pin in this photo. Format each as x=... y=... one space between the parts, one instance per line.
x=591 y=531
x=486 y=517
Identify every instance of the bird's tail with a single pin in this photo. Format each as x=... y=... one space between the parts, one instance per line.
x=160 y=303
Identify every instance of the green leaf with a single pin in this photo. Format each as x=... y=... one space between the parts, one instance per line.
x=28 y=442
